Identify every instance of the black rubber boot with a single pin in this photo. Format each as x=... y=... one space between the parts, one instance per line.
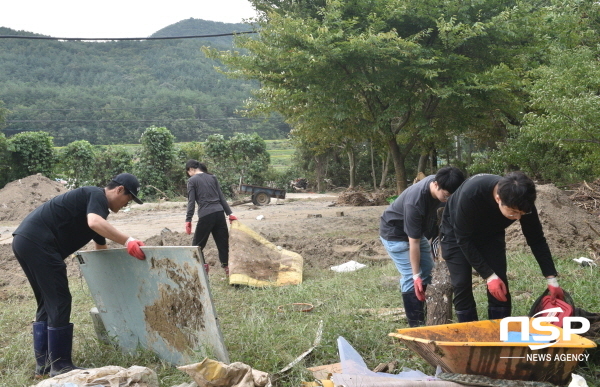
x=498 y=312
x=415 y=309
x=40 y=349
x=60 y=346
x=467 y=315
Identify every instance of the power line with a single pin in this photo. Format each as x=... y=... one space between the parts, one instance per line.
x=152 y=120
x=28 y=109
x=122 y=39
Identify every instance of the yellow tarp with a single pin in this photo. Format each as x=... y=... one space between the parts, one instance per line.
x=254 y=261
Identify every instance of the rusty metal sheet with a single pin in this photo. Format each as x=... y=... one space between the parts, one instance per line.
x=162 y=303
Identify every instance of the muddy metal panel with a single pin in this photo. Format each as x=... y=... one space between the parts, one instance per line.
x=163 y=303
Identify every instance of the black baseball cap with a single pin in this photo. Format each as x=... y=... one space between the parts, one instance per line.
x=130 y=183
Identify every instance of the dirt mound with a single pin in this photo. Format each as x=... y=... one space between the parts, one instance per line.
x=20 y=197
x=568 y=227
x=358 y=198
x=318 y=251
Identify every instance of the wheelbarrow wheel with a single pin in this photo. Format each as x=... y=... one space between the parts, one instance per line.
x=261 y=198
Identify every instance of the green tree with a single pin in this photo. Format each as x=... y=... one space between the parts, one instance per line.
x=192 y=150
x=241 y=159
x=558 y=138
x=111 y=161
x=566 y=106
x=31 y=153
x=3 y=114
x=77 y=163
x=407 y=72
x=157 y=170
x=5 y=168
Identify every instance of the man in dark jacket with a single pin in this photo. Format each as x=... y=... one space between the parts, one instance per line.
x=404 y=229
x=47 y=236
x=473 y=237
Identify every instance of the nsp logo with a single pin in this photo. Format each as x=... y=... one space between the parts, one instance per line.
x=544 y=324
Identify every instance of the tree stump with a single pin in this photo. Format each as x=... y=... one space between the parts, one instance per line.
x=439 y=292
x=439 y=295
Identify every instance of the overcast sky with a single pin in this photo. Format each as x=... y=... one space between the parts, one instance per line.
x=114 y=18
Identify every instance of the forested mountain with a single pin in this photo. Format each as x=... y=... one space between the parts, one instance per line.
x=109 y=92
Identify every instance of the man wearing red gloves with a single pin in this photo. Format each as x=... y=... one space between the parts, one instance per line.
x=404 y=230
x=203 y=189
x=47 y=236
x=473 y=237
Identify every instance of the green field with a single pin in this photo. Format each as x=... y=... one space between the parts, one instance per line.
x=281 y=152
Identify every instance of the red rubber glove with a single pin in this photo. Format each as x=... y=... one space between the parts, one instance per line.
x=419 y=291
x=188 y=228
x=497 y=288
x=232 y=218
x=555 y=290
x=133 y=248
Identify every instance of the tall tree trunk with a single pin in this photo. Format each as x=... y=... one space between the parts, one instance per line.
x=319 y=171
x=469 y=152
x=433 y=160
x=423 y=163
x=398 y=158
x=385 y=165
x=373 y=166
x=352 y=166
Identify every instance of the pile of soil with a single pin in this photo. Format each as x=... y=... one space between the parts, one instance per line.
x=20 y=197
x=358 y=198
x=568 y=228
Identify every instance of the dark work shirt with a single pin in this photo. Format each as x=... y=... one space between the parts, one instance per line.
x=61 y=223
x=473 y=216
x=412 y=214
x=203 y=189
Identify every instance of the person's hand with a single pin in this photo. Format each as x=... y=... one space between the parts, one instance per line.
x=555 y=290
x=133 y=248
x=232 y=218
x=419 y=290
x=188 y=228
x=497 y=287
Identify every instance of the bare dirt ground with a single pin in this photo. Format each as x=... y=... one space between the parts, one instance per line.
x=326 y=229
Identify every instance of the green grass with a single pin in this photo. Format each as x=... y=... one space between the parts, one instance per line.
x=257 y=334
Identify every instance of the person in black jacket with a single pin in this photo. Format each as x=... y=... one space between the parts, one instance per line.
x=473 y=237
x=203 y=189
x=404 y=232
x=47 y=236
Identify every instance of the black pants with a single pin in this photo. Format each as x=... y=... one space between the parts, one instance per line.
x=214 y=224
x=493 y=250
x=47 y=274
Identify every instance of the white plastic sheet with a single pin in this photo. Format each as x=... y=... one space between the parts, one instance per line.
x=355 y=373
x=347 y=267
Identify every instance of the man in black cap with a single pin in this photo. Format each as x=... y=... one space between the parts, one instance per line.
x=47 y=236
